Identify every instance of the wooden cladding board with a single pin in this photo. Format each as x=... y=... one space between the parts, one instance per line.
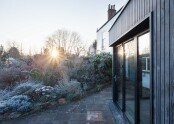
x=171 y=59
x=134 y=12
x=162 y=50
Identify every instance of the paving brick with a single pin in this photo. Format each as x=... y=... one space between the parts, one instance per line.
x=74 y=122
x=78 y=116
x=60 y=122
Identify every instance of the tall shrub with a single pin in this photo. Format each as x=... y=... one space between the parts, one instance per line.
x=95 y=68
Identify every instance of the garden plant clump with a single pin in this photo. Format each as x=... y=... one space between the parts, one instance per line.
x=34 y=87
x=96 y=70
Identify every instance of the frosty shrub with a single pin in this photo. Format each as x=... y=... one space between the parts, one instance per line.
x=35 y=74
x=50 y=76
x=5 y=94
x=73 y=90
x=19 y=103
x=44 y=94
x=3 y=57
x=3 y=107
x=102 y=67
x=70 y=90
x=95 y=68
x=69 y=87
x=11 y=75
x=26 y=87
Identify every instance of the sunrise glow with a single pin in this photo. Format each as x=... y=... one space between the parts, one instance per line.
x=54 y=53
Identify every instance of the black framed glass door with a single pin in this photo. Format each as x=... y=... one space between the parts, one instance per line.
x=130 y=78
x=133 y=72
x=144 y=72
x=119 y=76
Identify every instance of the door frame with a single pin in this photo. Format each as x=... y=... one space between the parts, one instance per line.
x=137 y=98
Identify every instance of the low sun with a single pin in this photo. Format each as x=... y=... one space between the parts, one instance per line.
x=54 y=53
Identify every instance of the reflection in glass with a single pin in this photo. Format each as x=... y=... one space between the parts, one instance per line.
x=119 y=74
x=144 y=77
x=130 y=52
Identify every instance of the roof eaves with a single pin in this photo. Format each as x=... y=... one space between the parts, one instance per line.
x=123 y=8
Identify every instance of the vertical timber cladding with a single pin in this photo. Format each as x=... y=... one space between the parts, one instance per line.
x=162 y=50
x=171 y=53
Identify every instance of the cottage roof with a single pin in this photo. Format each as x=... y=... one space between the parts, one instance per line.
x=117 y=14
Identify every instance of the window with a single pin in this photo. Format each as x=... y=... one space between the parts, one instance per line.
x=104 y=37
x=145 y=64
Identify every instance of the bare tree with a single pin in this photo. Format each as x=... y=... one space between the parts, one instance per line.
x=70 y=41
x=74 y=42
x=50 y=42
x=14 y=52
x=1 y=50
x=11 y=44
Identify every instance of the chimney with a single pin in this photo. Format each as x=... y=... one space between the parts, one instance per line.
x=111 y=11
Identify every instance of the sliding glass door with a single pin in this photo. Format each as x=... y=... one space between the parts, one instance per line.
x=130 y=74
x=133 y=78
x=119 y=75
x=144 y=77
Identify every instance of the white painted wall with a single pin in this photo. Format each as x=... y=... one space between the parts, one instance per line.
x=103 y=35
x=92 y=50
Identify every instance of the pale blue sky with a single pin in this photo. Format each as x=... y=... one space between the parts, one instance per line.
x=30 y=22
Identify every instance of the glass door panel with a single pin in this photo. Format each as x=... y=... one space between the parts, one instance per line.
x=144 y=77
x=133 y=72
x=119 y=75
x=130 y=74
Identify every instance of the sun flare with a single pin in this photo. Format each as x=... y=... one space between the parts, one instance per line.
x=54 y=53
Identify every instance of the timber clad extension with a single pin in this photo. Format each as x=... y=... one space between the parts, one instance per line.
x=135 y=11
x=156 y=16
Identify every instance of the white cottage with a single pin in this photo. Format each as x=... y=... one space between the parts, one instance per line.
x=103 y=31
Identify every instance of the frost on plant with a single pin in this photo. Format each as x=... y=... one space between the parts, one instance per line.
x=11 y=75
x=48 y=85
x=28 y=86
x=19 y=103
x=95 y=69
x=3 y=107
x=4 y=94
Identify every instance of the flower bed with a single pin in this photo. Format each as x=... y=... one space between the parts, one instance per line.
x=29 y=97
